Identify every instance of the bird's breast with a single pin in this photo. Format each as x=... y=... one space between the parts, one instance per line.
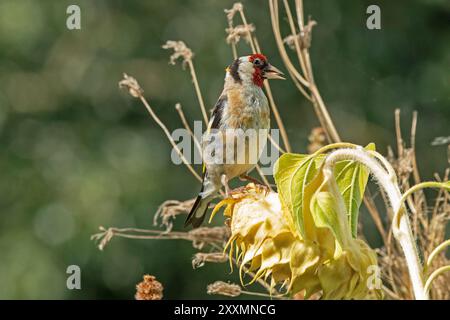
x=247 y=108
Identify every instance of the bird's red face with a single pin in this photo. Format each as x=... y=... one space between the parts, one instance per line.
x=263 y=70
x=253 y=69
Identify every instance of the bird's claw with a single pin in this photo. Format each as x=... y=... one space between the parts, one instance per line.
x=258 y=184
x=224 y=180
x=264 y=187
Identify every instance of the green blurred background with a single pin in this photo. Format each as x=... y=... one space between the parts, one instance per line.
x=77 y=153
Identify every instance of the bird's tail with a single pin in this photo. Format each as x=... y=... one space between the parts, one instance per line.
x=198 y=212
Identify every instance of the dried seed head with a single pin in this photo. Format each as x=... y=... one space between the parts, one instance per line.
x=104 y=236
x=290 y=41
x=403 y=164
x=237 y=7
x=131 y=85
x=180 y=51
x=223 y=288
x=317 y=139
x=149 y=289
x=215 y=257
x=205 y=235
x=238 y=32
x=304 y=38
x=169 y=209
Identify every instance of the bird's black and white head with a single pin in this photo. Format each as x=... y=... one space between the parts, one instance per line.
x=252 y=70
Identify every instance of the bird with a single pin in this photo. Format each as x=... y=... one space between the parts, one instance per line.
x=241 y=106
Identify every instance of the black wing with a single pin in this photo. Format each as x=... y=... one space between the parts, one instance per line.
x=217 y=112
x=214 y=122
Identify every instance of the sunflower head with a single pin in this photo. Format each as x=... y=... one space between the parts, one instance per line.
x=264 y=241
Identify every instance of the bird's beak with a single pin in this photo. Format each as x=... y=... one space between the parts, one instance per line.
x=273 y=73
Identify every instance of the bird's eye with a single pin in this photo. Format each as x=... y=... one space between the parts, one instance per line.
x=257 y=62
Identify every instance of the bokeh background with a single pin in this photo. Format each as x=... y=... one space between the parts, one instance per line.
x=77 y=153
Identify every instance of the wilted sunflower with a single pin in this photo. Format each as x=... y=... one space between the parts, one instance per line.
x=263 y=237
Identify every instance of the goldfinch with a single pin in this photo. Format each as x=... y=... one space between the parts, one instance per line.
x=241 y=106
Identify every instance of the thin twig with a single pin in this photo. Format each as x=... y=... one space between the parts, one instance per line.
x=263 y=177
x=182 y=51
x=179 y=109
x=197 y=91
x=135 y=90
x=279 y=148
x=275 y=111
x=172 y=142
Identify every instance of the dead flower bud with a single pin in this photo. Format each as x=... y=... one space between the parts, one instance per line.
x=317 y=139
x=104 y=236
x=215 y=257
x=304 y=38
x=238 y=32
x=205 y=235
x=131 y=85
x=237 y=7
x=149 y=289
x=180 y=51
x=223 y=288
x=168 y=210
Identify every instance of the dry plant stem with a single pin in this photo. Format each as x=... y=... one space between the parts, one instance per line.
x=398 y=132
x=275 y=111
x=277 y=117
x=233 y=48
x=334 y=136
x=276 y=30
x=276 y=144
x=401 y=151
x=416 y=174
x=232 y=44
x=145 y=234
x=136 y=91
x=441 y=191
x=197 y=90
x=166 y=131
x=198 y=237
x=259 y=294
x=297 y=78
x=403 y=233
x=422 y=199
x=179 y=109
x=308 y=79
x=136 y=233
x=301 y=59
x=244 y=21
x=263 y=177
x=392 y=294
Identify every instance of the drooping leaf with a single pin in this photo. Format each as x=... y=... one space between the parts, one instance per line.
x=324 y=209
x=351 y=178
x=292 y=174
